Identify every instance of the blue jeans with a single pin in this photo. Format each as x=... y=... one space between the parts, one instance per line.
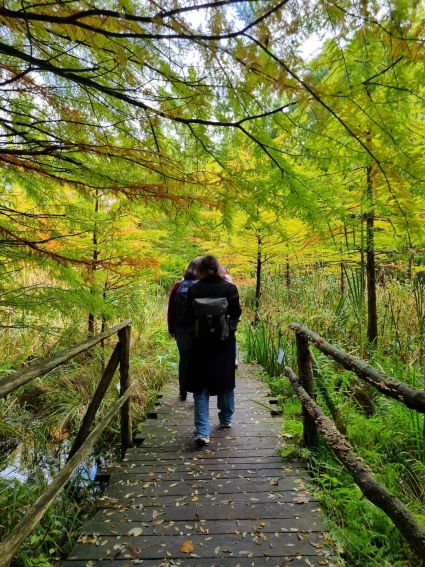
x=225 y=405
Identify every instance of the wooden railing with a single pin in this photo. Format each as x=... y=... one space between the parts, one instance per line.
x=315 y=422
x=83 y=442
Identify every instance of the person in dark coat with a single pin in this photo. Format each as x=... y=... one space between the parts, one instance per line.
x=211 y=368
x=178 y=325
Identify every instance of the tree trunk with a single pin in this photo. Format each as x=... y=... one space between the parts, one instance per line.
x=91 y=318
x=102 y=344
x=372 y=313
x=410 y=263
x=258 y=276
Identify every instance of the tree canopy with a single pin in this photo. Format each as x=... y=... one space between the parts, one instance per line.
x=115 y=112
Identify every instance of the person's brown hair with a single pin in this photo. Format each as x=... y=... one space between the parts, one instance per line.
x=191 y=272
x=209 y=266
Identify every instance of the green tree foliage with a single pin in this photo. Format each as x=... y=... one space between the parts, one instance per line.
x=176 y=110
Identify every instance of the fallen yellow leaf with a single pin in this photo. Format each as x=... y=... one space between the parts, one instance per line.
x=187 y=546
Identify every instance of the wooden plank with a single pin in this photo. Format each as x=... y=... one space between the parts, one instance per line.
x=149 y=438
x=268 y=474
x=200 y=454
x=200 y=462
x=285 y=561
x=214 y=511
x=226 y=526
x=199 y=468
x=184 y=444
x=284 y=496
x=193 y=487
x=41 y=367
x=247 y=422
x=217 y=547
x=151 y=428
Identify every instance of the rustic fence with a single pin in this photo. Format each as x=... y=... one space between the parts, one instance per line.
x=316 y=422
x=84 y=441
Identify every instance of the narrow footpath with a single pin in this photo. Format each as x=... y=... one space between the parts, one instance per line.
x=232 y=503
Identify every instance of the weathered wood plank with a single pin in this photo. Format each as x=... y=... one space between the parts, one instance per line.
x=225 y=526
x=182 y=443
x=214 y=511
x=205 y=546
x=211 y=467
x=284 y=496
x=196 y=453
x=218 y=445
x=285 y=561
x=208 y=486
x=167 y=476
x=238 y=430
x=219 y=437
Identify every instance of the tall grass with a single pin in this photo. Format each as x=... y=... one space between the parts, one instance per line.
x=262 y=345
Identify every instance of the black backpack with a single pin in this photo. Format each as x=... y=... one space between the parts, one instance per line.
x=180 y=301
x=211 y=321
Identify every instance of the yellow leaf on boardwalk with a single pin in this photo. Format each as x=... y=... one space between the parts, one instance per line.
x=187 y=546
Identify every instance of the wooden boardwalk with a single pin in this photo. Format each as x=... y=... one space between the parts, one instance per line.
x=233 y=503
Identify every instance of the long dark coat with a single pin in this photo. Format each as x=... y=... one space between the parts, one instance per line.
x=212 y=363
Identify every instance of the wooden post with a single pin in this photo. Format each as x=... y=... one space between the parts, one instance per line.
x=96 y=401
x=372 y=310
x=305 y=373
x=288 y=274
x=341 y=277
x=258 y=275
x=126 y=428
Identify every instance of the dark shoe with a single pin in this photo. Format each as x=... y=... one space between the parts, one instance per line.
x=202 y=441
x=183 y=396
x=225 y=425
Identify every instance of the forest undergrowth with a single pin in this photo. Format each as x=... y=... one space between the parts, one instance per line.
x=387 y=435
x=38 y=423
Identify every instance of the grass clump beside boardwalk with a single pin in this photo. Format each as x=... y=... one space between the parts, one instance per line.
x=386 y=434
x=39 y=421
